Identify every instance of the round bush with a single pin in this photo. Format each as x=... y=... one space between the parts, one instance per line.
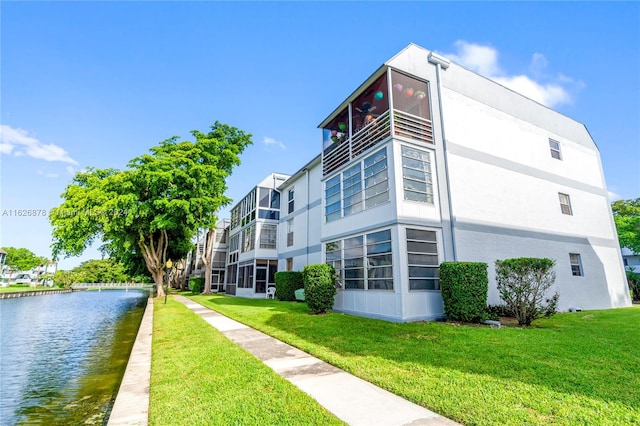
x=319 y=287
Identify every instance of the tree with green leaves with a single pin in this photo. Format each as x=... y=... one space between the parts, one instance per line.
x=101 y=271
x=626 y=214
x=155 y=207
x=22 y=259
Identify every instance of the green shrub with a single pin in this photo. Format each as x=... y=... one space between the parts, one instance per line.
x=287 y=282
x=196 y=284
x=464 y=287
x=319 y=287
x=633 y=278
x=523 y=284
x=494 y=312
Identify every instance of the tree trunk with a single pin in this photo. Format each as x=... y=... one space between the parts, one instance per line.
x=206 y=259
x=154 y=254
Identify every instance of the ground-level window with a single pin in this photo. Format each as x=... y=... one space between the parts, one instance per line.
x=576 y=264
x=565 y=203
x=363 y=261
x=289 y=263
x=422 y=253
x=265 y=272
x=245 y=275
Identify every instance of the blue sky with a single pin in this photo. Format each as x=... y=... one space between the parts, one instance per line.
x=99 y=83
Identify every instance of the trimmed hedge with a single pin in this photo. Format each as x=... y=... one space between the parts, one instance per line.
x=196 y=284
x=464 y=287
x=287 y=282
x=319 y=287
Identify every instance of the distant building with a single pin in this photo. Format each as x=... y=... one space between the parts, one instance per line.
x=427 y=162
x=631 y=260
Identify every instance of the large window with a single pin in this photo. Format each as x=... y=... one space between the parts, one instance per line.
x=376 y=179
x=332 y=199
x=245 y=275
x=416 y=175
x=249 y=238
x=422 y=261
x=370 y=174
x=269 y=204
x=352 y=190
x=268 y=236
x=363 y=261
x=265 y=273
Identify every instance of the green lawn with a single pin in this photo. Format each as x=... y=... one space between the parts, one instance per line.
x=199 y=377
x=574 y=368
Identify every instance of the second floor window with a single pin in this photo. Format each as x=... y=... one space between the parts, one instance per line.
x=291 y=202
x=554 y=147
x=565 y=204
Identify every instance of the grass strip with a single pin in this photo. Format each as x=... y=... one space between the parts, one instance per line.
x=199 y=377
x=574 y=368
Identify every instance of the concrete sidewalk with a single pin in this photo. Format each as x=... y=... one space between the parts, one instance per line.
x=349 y=398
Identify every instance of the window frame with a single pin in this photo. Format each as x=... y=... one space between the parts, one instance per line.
x=557 y=151
x=413 y=266
x=565 y=207
x=575 y=261
x=354 y=259
x=291 y=200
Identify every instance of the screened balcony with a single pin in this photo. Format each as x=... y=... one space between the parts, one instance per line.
x=368 y=120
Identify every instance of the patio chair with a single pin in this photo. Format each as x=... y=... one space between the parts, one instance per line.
x=271 y=293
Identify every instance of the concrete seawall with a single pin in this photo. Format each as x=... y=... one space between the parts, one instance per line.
x=13 y=294
x=132 y=402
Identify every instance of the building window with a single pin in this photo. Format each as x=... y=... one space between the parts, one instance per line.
x=332 y=199
x=626 y=261
x=422 y=253
x=565 y=203
x=416 y=175
x=376 y=179
x=290 y=197
x=554 y=147
x=363 y=261
x=576 y=264
x=268 y=236
x=249 y=238
x=352 y=190
x=370 y=174
x=289 y=263
x=245 y=275
x=269 y=204
x=289 y=232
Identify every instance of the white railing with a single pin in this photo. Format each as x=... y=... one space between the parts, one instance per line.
x=404 y=125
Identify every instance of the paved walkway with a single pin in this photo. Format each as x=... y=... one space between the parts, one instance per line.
x=349 y=398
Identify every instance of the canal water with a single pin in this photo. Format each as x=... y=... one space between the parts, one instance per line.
x=62 y=356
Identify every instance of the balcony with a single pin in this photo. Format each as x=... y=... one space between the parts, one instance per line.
x=405 y=126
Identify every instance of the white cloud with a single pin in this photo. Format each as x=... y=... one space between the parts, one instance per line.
x=549 y=91
x=71 y=170
x=49 y=175
x=18 y=142
x=614 y=197
x=270 y=141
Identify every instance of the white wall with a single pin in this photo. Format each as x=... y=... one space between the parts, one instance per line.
x=504 y=195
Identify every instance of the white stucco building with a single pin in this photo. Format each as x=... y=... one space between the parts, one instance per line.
x=427 y=162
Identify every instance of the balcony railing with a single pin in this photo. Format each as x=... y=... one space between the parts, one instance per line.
x=412 y=127
x=404 y=125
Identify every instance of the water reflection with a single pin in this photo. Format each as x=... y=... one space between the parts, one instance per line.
x=62 y=356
